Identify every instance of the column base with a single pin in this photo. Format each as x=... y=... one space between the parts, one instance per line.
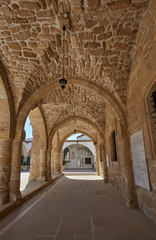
x=132 y=203
x=4 y=197
x=49 y=178
x=15 y=196
x=105 y=180
x=42 y=179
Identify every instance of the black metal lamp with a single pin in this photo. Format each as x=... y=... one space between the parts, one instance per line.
x=63 y=81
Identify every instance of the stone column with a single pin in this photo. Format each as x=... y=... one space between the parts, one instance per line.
x=49 y=177
x=105 y=165
x=60 y=162
x=52 y=161
x=15 y=193
x=43 y=165
x=97 y=159
x=57 y=162
x=126 y=164
x=5 y=167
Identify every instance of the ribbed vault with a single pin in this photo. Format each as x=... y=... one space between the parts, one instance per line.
x=73 y=101
x=99 y=42
x=81 y=124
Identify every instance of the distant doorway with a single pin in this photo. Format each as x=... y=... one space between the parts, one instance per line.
x=87 y=160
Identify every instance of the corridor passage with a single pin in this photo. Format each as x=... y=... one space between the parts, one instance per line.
x=80 y=207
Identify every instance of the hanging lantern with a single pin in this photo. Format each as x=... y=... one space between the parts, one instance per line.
x=63 y=81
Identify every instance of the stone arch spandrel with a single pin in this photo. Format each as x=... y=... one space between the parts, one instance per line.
x=73 y=119
x=44 y=90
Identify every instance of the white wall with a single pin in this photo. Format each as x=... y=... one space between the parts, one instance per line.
x=74 y=162
x=89 y=145
x=26 y=146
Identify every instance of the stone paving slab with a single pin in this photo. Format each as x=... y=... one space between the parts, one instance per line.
x=81 y=208
x=29 y=190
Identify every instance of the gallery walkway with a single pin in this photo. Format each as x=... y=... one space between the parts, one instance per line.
x=78 y=207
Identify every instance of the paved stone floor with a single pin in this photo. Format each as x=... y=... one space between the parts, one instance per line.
x=77 y=208
x=24 y=180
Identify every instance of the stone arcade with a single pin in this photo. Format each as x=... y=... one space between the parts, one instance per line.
x=110 y=67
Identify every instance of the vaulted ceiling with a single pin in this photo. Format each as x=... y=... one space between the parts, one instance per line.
x=73 y=101
x=99 y=43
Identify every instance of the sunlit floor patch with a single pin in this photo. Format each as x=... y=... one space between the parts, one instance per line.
x=84 y=177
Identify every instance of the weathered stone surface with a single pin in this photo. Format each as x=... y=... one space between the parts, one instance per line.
x=20 y=20
x=104 y=22
x=74 y=41
x=90 y=23
x=29 y=5
x=14 y=45
x=120 y=46
x=93 y=4
x=123 y=31
x=98 y=30
x=92 y=45
x=67 y=6
x=119 y=4
x=29 y=54
x=7 y=11
x=24 y=35
x=55 y=6
x=78 y=10
x=85 y=36
x=45 y=14
x=5 y=34
x=97 y=52
x=105 y=36
x=5 y=2
x=125 y=55
x=14 y=6
x=15 y=29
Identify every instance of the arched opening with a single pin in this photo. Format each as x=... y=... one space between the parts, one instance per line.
x=26 y=155
x=79 y=153
x=91 y=138
x=53 y=87
x=151 y=117
x=7 y=128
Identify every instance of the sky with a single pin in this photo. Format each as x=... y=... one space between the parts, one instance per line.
x=28 y=130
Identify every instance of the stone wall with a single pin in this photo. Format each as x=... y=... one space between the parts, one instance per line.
x=114 y=170
x=142 y=78
x=35 y=160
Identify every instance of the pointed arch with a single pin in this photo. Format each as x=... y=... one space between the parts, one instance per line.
x=49 y=88
x=7 y=113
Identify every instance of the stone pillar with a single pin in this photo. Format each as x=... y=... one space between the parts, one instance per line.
x=57 y=162
x=52 y=161
x=5 y=167
x=60 y=162
x=126 y=164
x=97 y=159
x=49 y=177
x=43 y=165
x=15 y=193
x=105 y=165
